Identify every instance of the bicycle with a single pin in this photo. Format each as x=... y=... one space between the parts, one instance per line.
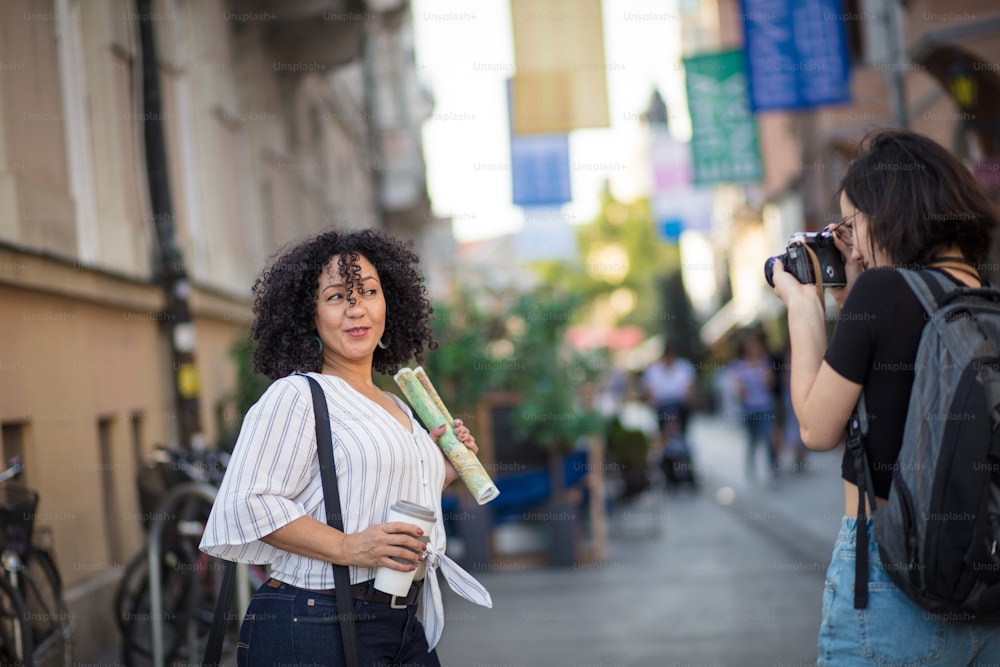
x=189 y=578
x=35 y=624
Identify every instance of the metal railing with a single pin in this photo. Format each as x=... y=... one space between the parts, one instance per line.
x=175 y=498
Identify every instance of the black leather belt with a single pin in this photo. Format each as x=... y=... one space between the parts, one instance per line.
x=365 y=590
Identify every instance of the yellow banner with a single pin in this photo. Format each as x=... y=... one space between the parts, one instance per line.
x=561 y=79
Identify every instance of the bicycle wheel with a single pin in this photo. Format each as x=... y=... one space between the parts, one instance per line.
x=138 y=632
x=15 y=631
x=129 y=588
x=47 y=613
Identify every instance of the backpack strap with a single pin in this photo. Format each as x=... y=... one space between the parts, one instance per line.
x=928 y=286
x=857 y=429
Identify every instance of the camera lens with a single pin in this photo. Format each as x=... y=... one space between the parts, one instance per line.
x=769 y=270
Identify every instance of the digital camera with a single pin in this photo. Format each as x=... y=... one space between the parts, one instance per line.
x=796 y=260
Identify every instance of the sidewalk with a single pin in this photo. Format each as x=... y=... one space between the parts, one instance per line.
x=737 y=582
x=802 y=508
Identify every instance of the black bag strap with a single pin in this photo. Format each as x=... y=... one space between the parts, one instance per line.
x=335 y=518
x=217 y=634
x=341 y=574
x=857 y=429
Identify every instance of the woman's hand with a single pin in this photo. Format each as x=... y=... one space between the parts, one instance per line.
x=465 y=437
x=852 y=268
x=376 y=545
x=372 y=547
x=788 y=288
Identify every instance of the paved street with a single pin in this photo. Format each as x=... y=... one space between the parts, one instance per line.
x=737 y=582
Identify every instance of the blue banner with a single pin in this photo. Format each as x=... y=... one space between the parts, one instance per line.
x=796 y=53
x=540 y=169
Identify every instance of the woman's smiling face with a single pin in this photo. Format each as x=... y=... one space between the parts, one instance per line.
x=349 y=326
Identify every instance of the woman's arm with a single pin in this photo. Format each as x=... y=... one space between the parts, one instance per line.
x=373 y=547
x=822 y=398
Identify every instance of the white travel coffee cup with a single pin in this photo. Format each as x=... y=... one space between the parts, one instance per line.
x=392 y=581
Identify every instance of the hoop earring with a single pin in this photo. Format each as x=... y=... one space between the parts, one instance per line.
x=319 y=343
x=382 y=345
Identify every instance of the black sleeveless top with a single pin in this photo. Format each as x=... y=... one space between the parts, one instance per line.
x=875 y=344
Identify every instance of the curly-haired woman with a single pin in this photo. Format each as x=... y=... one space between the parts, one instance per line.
x=336 y=306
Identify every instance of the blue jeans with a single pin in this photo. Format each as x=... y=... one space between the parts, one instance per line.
x=294 y=626
x=892 y=630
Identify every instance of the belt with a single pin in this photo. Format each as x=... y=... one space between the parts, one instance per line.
x=365 y=590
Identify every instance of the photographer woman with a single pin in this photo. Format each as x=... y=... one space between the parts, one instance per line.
x=336 y=306
x=905 y=201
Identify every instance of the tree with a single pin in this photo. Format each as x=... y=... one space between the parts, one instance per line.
x=621 y=260
x=463 y=366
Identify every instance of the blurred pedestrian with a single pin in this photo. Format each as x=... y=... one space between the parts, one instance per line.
x=754 y=376
x=337 y=306
x=905 y=201
x=790 y=446
x=669 y=387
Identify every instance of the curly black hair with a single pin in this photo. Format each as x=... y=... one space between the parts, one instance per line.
x=284 y=307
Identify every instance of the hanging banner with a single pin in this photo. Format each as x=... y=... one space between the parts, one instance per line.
x=539 y=166
x=796 y=53
x=561 y=75
x=724 y=144
x=676 y=205
x=540 y=169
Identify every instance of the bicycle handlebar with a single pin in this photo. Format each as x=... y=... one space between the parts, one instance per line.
x=13 y=469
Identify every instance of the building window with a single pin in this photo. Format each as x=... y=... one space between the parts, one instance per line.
x=135 y=424
x=12 y=441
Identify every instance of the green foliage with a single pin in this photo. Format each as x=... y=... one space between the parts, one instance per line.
x=619 y=250
x=461 y=368
x=516 y=345
x=551 y=376
x=681 y=327
x=249 y=385
x=627 y=447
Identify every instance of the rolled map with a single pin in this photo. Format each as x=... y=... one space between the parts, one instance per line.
x=432 y=392
x=421 y=395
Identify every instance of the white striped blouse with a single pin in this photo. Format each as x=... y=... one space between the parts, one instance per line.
x=273 y=478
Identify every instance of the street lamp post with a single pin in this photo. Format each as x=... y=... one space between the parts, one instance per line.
x=170 y=270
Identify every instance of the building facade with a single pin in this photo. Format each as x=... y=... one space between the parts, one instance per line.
x=280 y=119
x=927 y=65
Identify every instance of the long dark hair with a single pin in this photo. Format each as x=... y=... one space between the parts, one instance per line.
x=919 y=199
x=284 y=308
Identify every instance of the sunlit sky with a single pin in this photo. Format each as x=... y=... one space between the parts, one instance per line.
x=465 y=54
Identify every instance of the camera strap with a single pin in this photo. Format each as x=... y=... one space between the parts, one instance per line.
x=959 y=264
x=817 y=273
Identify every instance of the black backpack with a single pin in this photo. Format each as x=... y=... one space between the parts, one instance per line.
x=939 y=535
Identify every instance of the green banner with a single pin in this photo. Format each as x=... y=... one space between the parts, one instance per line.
x=724 y=145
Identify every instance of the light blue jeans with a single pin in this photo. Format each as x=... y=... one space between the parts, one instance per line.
x=892 y=630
